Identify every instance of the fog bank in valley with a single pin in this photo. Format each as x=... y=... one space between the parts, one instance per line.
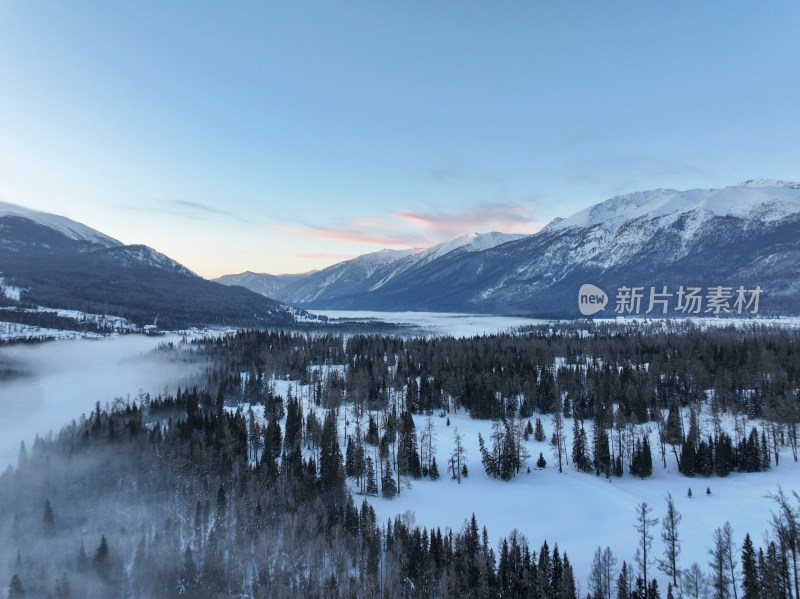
x=65 y=379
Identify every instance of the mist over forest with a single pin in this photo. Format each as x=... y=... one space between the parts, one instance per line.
x=44 y=386
x=261 y=477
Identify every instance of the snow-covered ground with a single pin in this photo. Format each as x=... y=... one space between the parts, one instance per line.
x=582 y=511
x=438 y=323
x=10 y=291
x=578 y=511
x=10 y=331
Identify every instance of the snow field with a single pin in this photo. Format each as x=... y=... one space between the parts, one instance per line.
x=575 y=510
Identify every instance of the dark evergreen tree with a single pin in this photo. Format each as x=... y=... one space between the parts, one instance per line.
x=331 y=471
x=704 y=458
x=372 y=482
x=434 y=471
x=724 y=459
x=688 y=460
x=602 y=451
x=751 y=581
x=388 y=485
x=408 y=461
x=624 y=582
x=49 y=519
x=580 y=449
x=101 y=562
x=538 y=433
x=15 y=588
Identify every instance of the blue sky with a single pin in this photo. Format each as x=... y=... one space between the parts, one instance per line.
x=286 y=136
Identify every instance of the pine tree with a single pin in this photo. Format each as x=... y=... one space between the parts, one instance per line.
x=538 y=433
x=372 y=483
x=751 y=583
x=82 y=562
x=704 y=458
x=434 y=471
x=48 y=519
x=580 y=450
x=330 y=461
x=15 y=589
x=101 y=560
x=624 y=582
x=723 y=455
x=645 y=459
x=388 y=485
x=671 y=539
x=688 y=461
x=602 y=452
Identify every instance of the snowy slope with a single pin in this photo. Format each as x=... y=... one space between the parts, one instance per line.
x=70 y=228
x=263 y=283
x=372 y=271
x=762 y=200
x=579 y=511
x=746 y=234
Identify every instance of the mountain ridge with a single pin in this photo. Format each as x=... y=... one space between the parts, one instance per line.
x=746 y=234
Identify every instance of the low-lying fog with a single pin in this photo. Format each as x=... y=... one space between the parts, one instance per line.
x=66 y=378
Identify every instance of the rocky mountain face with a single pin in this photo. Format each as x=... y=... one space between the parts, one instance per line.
x=648 y=250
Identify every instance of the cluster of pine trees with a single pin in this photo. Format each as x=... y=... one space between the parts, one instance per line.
x=191 y=495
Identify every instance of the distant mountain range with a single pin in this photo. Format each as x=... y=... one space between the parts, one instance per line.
x=661 y=242
x=52 y=261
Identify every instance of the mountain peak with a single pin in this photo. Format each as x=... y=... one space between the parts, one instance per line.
x=757 y=183
x=60 y=224
x=763 y=200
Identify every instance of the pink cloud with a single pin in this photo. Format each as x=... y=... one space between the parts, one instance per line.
x=507 y=218
x=418 y=228
x=354 y=235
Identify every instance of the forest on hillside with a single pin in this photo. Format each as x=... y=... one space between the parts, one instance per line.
x=193 y=495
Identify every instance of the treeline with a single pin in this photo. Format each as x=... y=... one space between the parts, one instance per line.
x=50 y=320
x=755 y=372
x=162 y=500
x=611 y=380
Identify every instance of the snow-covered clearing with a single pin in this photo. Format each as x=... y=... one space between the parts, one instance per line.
x=578 y=511
x=582 y=511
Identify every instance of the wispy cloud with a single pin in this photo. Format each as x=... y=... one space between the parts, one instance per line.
x=420 y=228
x=625 y=172
x=505 y=217
x=324 y=256
x=188 y=209
x=351 y=234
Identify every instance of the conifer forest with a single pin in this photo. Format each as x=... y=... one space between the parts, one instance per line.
x=261 y=479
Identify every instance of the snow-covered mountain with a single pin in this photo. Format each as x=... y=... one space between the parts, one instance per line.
x=60 y=224
x=260 y=282
x=743 y=235
x=366 y=273
x=52 y=261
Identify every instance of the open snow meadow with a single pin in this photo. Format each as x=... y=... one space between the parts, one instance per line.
x=579 y=511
